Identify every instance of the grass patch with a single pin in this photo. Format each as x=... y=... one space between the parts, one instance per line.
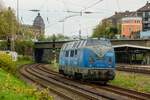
x=13 y=89
x=135 y=81
x=54 y=66
x=21 y=62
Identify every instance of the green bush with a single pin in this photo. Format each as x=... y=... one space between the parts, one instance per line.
x=6 y=63
x=3 y=45
x=23 y=47
x=26 y=58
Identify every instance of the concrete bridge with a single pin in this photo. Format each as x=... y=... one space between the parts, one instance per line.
x=58 y=44
x=138 y=42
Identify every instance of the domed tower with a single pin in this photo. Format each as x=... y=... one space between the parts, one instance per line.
x=39 y=25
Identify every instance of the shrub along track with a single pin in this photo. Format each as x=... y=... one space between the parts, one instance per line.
x=74 y=89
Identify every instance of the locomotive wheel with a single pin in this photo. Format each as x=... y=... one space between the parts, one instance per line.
x=78 y=76
x=103 y=82
x=61 y=72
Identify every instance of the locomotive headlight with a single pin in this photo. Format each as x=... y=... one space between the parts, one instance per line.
x=110 y=60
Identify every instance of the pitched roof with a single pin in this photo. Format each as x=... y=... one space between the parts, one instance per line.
x=119 y=15
x=145 y=8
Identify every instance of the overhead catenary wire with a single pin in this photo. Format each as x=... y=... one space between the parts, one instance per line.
x=92 y=5
x=85 y=8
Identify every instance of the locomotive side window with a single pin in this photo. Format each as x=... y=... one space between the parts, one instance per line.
x=67 y=54
x=76 y=52
x=72 y=53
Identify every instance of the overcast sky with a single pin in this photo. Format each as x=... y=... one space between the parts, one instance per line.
x=53 y=11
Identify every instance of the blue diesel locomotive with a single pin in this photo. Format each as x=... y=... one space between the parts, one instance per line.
x=90 y=59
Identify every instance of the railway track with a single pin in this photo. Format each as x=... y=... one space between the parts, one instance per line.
x=72 y=93
x=83 y=89
x=131 y=68
x=27 y=76
x=115 y=89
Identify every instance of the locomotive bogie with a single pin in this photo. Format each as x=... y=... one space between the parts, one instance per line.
x=89 y=74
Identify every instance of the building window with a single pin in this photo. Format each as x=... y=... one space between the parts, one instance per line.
x=136 y=21
x=130 y=29
x=143 y=14
x=149 y=13
x=146 y=14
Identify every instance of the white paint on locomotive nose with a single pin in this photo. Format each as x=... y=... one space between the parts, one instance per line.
x=109 y=66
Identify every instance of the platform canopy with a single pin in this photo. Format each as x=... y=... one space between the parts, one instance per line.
x=132 y=54
x=131 y=46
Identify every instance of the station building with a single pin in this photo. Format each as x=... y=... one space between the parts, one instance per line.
x=144 y=12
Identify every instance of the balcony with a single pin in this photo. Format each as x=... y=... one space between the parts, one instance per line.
x=146 y=22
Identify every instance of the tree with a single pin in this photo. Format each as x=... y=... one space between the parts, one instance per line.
x=24 y=47
x=58 y=37
x=8 y=23
x=105 y=29
x=100 y=30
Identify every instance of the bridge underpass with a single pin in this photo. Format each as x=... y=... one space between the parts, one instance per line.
x=46 y=52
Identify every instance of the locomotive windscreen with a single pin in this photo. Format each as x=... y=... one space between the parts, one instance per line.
x=92 y=42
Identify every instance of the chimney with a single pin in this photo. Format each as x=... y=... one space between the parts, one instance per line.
x=147 y=3
x=127 y=11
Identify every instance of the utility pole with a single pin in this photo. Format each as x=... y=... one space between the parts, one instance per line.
x=18 y=10
x=18 y=27
x=54 y=47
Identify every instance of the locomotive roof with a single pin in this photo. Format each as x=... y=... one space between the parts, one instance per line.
x=83 y=43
